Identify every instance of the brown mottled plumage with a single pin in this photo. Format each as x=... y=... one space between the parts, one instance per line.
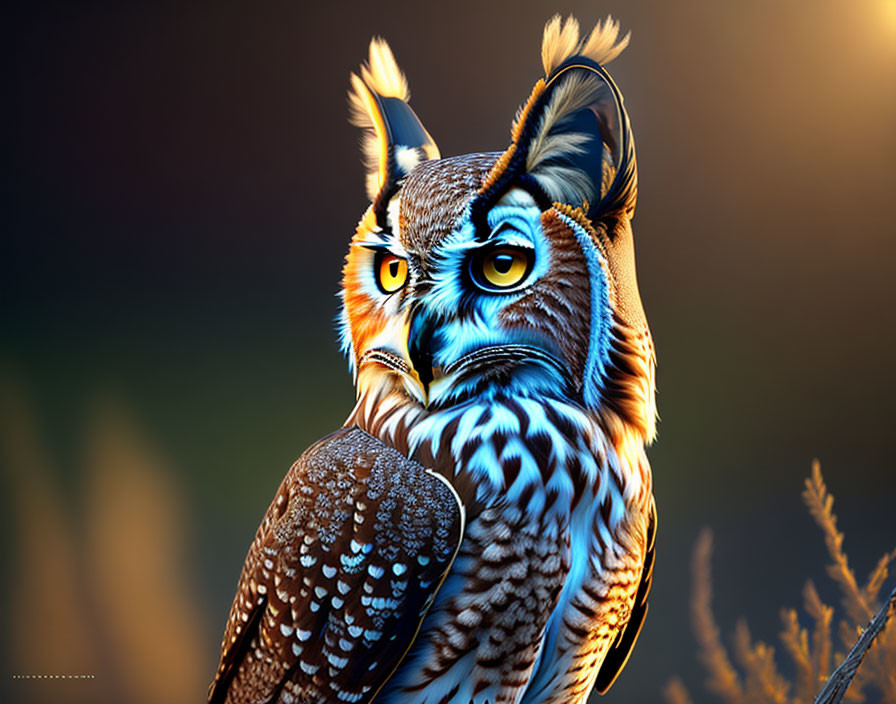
x=434 y=197
x=332 y=504
x=482 y=529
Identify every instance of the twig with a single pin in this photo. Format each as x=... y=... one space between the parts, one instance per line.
x=837 y=684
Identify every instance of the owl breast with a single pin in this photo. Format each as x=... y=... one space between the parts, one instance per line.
x=551 y=557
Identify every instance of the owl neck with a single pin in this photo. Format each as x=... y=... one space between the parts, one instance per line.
x=544 y=453
x=388 y=413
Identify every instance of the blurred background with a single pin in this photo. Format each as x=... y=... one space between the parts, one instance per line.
x=181 y=185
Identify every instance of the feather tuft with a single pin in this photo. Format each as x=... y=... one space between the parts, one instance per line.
x=362 y=111
x=381 y=73
x=604 y=44
x=561 y=41
x=393 y=141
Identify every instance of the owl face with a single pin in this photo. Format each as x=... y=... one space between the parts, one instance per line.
x=503 y=273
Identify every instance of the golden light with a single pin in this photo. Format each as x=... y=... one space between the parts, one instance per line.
x=888 y=11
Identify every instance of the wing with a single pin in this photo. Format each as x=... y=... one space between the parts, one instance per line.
x=619 y=652
x=341 y=573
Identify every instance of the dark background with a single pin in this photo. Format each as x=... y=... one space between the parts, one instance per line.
x=182 y=184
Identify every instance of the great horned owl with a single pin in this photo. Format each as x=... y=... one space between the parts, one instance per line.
x=482 y=528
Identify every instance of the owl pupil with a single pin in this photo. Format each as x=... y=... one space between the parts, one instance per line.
x=503 y=263
x=393 y=268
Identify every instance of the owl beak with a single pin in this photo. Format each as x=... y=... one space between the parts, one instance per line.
x=421 y=330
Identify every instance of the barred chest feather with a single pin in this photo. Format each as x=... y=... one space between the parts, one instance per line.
x=551 y=558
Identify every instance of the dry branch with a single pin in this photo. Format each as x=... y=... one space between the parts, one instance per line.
x=810 y=649
x=837 y=684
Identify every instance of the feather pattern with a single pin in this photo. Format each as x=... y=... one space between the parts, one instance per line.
x=347 y=559
x=577 y=507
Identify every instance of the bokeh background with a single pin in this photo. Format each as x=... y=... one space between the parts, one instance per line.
x=181 y=184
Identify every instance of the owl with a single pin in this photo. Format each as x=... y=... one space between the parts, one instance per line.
x=481 y=529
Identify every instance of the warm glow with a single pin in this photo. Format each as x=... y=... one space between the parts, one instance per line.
x=888 y=12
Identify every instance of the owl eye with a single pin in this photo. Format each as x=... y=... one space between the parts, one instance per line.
x=391 y=272
x=501 y=268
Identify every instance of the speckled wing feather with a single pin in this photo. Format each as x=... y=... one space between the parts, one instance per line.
x=618 y=654
x=342 y=571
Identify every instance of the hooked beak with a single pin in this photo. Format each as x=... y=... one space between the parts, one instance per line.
x=421 y=330
x=408 y=351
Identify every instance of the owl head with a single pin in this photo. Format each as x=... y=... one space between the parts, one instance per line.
x=506 y=273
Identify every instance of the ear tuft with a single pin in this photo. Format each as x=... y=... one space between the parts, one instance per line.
x=561 y=41
x=571 y=143
x=382 y=74
x=550 y=154
x=603 y=44
x=393 y=139
x=362 y=114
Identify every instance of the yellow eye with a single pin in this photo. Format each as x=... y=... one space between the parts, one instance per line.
x=391 y=272
x=502 y=268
